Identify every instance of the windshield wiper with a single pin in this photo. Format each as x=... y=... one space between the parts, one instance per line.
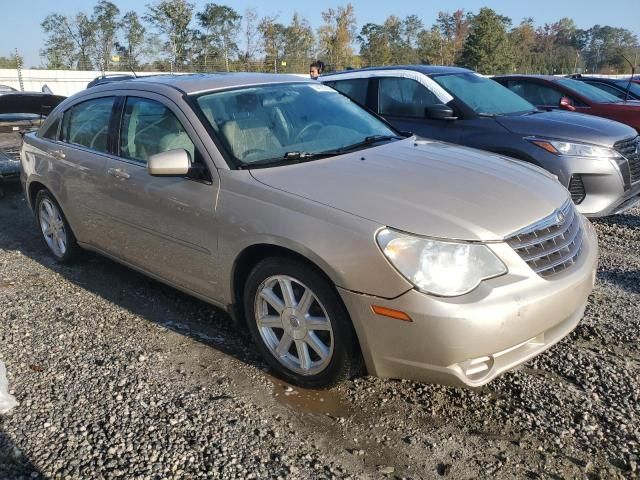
x=370 y=140
x=287 y=159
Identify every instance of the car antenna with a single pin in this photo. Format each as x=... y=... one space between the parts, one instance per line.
x=633 y=72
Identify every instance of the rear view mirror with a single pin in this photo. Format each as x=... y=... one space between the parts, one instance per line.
x=439 y=112
x=172 y=163
x=567 y=104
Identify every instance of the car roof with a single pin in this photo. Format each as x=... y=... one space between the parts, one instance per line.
x=549 y=78
x=203 y=82
x=425 y=69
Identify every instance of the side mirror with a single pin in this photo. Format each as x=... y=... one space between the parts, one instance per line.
x=439 y=112
x=172 y=163
x=567 y=104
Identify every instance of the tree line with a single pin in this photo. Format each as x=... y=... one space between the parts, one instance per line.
x=172 y=36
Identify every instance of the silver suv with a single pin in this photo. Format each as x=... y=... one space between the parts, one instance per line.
x=339 y=242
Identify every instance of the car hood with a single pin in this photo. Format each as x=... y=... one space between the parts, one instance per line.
x=572 y=126
x=426 y=187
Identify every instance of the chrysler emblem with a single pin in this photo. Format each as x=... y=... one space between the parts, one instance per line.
x=560 y=217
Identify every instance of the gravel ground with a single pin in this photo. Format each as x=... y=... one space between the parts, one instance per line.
x=119 y=376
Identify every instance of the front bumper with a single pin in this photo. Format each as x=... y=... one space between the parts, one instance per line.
x=469 y=340
x=607 y=190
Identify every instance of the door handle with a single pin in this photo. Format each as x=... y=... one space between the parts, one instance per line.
x=58 y=154
x=118 y=173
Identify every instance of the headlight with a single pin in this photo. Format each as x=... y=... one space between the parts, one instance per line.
x=558 y=147
x=441 y=268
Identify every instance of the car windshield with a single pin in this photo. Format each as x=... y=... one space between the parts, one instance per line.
x=633 y=87
x=482 y=95
x=589 y=91
x=289 y=120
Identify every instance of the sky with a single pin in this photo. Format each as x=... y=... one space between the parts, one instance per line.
x=20 y=23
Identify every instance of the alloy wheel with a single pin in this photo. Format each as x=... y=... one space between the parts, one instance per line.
x=294 y=325
x=53 y=227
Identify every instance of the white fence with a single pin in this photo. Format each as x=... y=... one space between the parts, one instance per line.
x=61 y=82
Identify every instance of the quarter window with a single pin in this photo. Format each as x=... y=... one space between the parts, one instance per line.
x=52 y=132
x=404 y=97
x=87 y=124
x=149 y=127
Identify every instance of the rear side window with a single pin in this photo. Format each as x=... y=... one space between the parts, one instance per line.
x=149 y=127
x=52 y=131
x=87 y=124
x=355 y=89
x=404 y=97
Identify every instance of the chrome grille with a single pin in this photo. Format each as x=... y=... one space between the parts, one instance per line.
x=630 y=149
x=12 y=152
x=551 y=245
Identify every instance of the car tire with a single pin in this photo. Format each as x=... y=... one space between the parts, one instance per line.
x=55 y=229
x=306 y=335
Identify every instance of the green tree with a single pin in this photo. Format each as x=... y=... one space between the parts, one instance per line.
x=222 y=27
x=9 y=62
x=171 y=18
x=336 y=35
x=134 y=34
x=298 y=43
x=487 y=48
x=105 y=25
x=374 y=45
x=69 y=41
x=273 y=40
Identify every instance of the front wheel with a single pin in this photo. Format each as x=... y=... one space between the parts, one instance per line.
x=299 y=323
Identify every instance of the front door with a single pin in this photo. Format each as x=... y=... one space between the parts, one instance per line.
x=165 y=225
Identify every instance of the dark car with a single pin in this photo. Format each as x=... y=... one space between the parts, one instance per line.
x=598 y=160
x=548 y=92
x=623 y=88
x=20 y=112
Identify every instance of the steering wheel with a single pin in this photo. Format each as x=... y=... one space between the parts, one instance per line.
x=306 y=129
x=252 y=151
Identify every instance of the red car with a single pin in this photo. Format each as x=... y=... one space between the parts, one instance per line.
x=548 y=92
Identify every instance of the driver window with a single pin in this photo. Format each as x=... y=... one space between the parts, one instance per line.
x=536 y=93
x=87 y=124
x=404 y=97
x=149 y=127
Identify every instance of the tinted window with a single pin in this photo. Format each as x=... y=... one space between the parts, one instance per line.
x=536 y=93
x=87 y=123
x=355 y=89
x=589 y=91
x=633 y=87
x=52 y=131
x=148 y=127
x=404 y=97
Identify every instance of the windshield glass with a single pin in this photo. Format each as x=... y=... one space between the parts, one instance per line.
x=273 y=121
x=633 y=87
x=482 y=95
x=589 y=91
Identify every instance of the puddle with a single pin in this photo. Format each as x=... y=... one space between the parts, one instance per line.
x=325 y=402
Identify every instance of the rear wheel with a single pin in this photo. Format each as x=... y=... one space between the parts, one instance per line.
x=55 y=229
x=299 y=323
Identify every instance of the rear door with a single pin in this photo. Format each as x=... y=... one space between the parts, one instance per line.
x=79 y=149
x=164 y=225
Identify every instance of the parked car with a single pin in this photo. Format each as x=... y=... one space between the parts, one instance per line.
x=622 y=88
x=20 y=113
x=332 y=236
x=596 y=159
x=548 y=93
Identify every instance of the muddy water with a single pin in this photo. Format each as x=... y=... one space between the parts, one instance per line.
x=325 y=402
